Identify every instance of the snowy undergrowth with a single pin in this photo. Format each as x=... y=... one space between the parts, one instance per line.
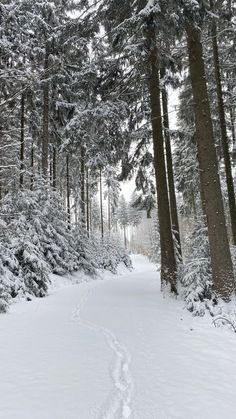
x=109 y=252
x=35 y=241
x=196 y=281
x=195 y=273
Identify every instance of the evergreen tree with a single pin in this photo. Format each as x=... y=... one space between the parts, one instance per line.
x=122 y=215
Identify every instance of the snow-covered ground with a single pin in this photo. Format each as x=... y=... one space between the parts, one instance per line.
x=114 y=349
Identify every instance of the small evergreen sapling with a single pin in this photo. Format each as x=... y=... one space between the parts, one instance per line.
x=196 y=272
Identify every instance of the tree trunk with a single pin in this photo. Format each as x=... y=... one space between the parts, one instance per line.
x=1 y=163
x=50 y=164
x=109 y=209
x=223 y=130
x=22 y=140
x=90 y=214
x=168 y=262
x=232 y=125
x=45 y=139
x=87 y=200
x=68 y=191
x=54 y=168
x=32 y=163
x=82 y=187
x=101 y=205
x=222 y=270
x=170 y=173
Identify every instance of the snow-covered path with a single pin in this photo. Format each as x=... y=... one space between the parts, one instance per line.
x=114 y=349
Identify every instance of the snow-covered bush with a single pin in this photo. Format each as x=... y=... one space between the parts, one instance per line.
x=33 y=269
x=36 y=238
x=196 y=271
x=155 y=249
x=7 y=280
x=57 y=240
x=109 y=252
x=86 y=251
x=9 y=269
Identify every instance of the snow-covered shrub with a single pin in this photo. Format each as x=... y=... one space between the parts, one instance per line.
x=37 y=237
x=155 y=250
x=86 y=251
x=6 y=282
x=35 y=240
x=22 y=239
x=9 y=268
x=57 y=240
x=33 y=269
x=110 y=252
x=196 y=271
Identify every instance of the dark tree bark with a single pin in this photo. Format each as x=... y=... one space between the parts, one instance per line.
x=45 y=139
x=223 y=130
x=82 y=187
x=232 y=125
x=32 y=162
x=170 y=172
x=90 y=214
x=1 y=186
x=87 y=201
x=168 y=262
x=222 y=270
x=50 y=166
x=54 y=168
x=68 y=191
x=109 y=209
x=1 y=168
x=22 y=140
x=101 y=204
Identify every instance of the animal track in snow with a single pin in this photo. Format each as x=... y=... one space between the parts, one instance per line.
x=118 y=404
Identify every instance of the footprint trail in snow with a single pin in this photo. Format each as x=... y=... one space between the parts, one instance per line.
x=118 y=404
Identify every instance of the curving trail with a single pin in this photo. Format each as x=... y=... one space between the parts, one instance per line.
x=114 y=349
x=118 y=403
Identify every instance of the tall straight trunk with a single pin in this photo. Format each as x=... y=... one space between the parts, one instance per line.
x=87 y=201
x=170 y=173
x=50 y=166
x=32 y=163
x=90 y=213
x=109 y=209
x=45 y=139
x=223 y=130
x=168 y=262
x=232 y=125
x=222 y=270
x=1 y=186
x=101 y=204
x=68 y=191
x=22 y=140
x=54 y=168
x=1 y=164
x=82 y=180
x=194 y=204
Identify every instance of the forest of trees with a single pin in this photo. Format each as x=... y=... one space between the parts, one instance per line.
x=84 y=106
